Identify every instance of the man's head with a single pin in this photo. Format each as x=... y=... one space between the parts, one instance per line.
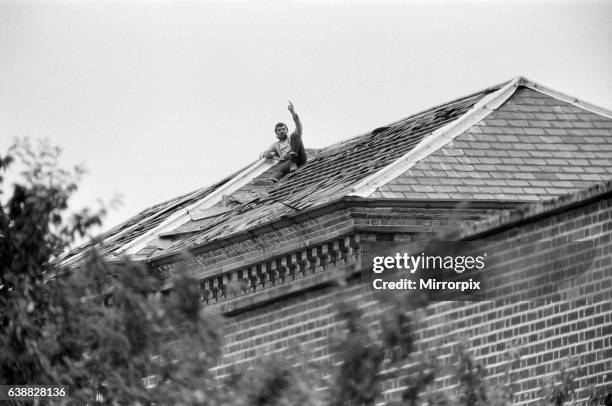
x=281 y=131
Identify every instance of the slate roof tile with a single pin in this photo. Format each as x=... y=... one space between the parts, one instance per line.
x=513 y=130
x=517 y=153
x=439 y=196
x=568 y=176
x=534 y=131
x=547 y=175
x=592 y=177
x=600 y=162
x=517 y=161
x=410 y=196
x=422 y=189
x=514 y=182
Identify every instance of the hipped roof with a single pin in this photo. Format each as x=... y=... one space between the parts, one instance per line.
x=517 y=141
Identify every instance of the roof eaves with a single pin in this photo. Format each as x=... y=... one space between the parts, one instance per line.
x=438 y=139
x=312 y=212
x=566 y=98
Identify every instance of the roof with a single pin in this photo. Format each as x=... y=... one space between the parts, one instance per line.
x=332 y=173
x=516 y=141
x=136 y=226
x=147 y=224
x=532 y=147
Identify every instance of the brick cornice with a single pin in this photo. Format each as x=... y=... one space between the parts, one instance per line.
x=317 y=211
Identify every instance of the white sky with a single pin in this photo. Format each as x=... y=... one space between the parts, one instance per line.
x=161 y=98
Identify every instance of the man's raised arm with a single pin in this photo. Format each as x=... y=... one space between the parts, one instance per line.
x=296 y=119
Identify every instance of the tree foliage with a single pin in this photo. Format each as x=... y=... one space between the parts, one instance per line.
x=561 y=388
x=358 y=380
x=278 y=380
x=372 y=353
x=56 y=325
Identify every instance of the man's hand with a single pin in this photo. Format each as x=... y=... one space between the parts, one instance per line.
x=291 y=108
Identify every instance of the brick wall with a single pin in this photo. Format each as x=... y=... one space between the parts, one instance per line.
x=571 y=319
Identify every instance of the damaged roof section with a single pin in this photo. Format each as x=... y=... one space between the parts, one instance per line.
x=144 y=221
x=329 y=175
x=145 y=228
x=253 y=191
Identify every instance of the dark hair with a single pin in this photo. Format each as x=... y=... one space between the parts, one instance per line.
x=280 y=125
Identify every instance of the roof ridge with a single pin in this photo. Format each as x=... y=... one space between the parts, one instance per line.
x=415 y=115
x=438 y=138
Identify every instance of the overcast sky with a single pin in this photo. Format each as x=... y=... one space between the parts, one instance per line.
x=161 y=98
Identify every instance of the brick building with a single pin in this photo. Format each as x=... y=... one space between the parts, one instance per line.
x=520 y=167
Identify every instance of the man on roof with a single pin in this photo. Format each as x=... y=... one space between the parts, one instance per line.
x=288 y=149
